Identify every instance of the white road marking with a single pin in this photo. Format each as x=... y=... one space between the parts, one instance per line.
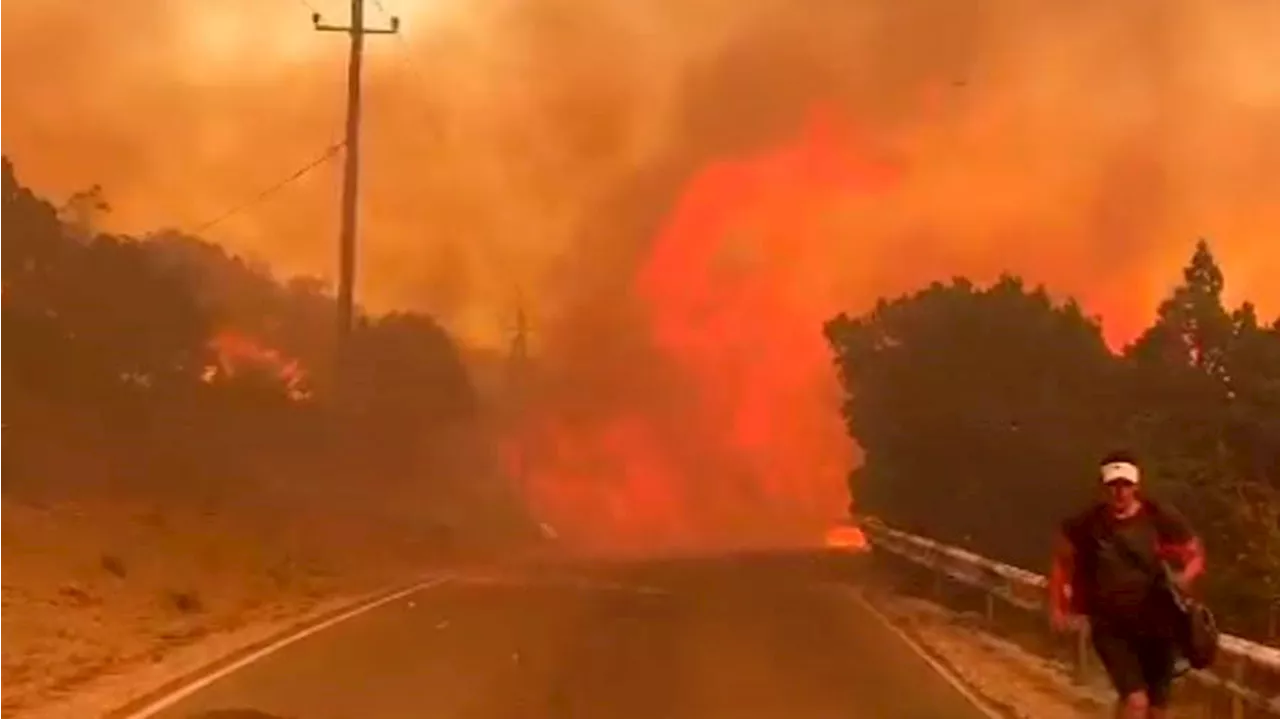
x=567 y=580
x=200 y=683
x=948 y=675
x=594 y=585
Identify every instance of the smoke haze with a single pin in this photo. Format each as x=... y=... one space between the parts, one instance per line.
x=606 y=158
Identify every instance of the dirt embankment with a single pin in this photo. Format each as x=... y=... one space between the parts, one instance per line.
x=125 y=560
x=98 y=589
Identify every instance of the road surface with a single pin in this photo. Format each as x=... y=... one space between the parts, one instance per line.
x=748 y=637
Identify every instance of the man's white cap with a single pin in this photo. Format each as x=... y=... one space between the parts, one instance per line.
x=1120 y=472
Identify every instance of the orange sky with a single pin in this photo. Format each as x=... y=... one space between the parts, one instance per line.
x=571 y=148
x=1086 y=145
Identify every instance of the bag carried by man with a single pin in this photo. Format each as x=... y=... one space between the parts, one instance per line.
x=1195 y=631
x=1198 y=634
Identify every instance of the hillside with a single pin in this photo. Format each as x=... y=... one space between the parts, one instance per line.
x=176 y=466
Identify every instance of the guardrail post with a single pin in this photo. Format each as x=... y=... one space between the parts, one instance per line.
x=938 y=574
x=1242 y=661
x=1237 y=678
x=1080 y=654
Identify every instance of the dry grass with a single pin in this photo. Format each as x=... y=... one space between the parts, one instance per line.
x=97 y=591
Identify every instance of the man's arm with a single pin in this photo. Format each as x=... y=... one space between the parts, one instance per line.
x=1189 y=553
x=1193 y=561
x=1181 y=545
x=1060 y=574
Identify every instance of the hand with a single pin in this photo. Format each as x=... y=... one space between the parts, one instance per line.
x=1064 y=622
x=1182 y=581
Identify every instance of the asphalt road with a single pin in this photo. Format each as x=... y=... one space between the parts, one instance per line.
x=740 y=638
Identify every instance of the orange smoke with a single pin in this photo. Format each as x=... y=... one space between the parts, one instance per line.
x=1085 y=146
x=733 y=293
x=237 y=353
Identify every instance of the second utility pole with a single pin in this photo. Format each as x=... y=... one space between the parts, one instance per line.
x=350 y=176
x=518 y=395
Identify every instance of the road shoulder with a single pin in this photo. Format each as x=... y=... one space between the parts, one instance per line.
x=130 y=694
x=1012 y=681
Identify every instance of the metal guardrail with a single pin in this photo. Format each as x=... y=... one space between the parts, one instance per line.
x=1239 y=660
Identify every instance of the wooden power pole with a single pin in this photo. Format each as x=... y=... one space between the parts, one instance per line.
x=350 y=176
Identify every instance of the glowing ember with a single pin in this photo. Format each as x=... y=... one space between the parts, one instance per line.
x=741 y=442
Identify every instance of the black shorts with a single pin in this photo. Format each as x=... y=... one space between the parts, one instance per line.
x=1137 y=663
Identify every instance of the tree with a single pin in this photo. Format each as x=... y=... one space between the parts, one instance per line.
x=179 y=359
x=35 y=245
x=36 y=252
x=969 y=402
x=81 y=211
x=972 y=404
x=1208 y=381
x=91 y=315
x=1177 y=380
x=1254 y=420
x=140 y=322
x=409 y=374
x=1192 y=326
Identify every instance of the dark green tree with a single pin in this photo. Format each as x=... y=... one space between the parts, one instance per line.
x=118 y=347
x=981 y=413
x=409 y=374
x=975 y=404
x=1206 y=389
x=1177 y=381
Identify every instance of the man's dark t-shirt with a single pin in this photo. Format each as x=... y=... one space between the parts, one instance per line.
x=1113 y=589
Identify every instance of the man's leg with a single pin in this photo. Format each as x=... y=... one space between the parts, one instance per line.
x=1120 y=658
x=1158 y=657
x=1133 y=705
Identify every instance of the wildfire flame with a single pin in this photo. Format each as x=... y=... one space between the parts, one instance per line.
x=746 y=445
x=237 y=352
x=848 y=538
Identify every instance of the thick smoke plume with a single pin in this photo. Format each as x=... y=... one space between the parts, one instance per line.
x=683 y=190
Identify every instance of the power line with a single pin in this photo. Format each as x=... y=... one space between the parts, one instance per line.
x=405 y=57
x=262 y=196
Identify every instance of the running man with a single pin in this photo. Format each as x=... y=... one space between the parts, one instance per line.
x=1107 y=567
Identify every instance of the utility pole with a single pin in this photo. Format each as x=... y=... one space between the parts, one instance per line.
x=350 y=175
x=518 y=389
